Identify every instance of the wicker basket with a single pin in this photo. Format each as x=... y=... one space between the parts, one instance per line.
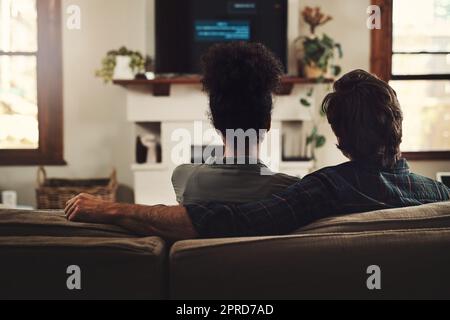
x=54 y=193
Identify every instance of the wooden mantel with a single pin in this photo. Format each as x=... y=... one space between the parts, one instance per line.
x=160 y=86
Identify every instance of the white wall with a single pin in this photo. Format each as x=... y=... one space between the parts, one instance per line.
x=97 y=136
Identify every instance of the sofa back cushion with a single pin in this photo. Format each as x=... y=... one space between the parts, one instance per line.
x=327 y=259
x=429 y=216
x=413 y=264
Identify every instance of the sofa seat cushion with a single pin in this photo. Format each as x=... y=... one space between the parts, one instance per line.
x=434 y=215
x=52 y=223
x=111 y=268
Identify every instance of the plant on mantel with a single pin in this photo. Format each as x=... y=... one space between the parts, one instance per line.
x=316 y=54
x=137 y=63
x=315 y=57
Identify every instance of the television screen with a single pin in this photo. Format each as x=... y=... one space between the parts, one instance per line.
x=185 y=29
x=219 y=31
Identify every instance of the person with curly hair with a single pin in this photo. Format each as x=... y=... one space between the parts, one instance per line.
x=240 y=79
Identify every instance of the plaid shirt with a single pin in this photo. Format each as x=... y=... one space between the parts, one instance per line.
x=352 y=187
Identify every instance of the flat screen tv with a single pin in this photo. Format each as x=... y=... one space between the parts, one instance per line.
x=185 y=29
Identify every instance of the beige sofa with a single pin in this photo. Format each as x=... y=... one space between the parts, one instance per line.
x=328 y=259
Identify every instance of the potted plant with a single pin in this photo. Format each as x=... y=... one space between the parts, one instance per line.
x=315 y=53
x=121 y=64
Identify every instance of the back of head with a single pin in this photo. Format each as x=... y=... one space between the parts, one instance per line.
x=240 y=79
x=366 y=117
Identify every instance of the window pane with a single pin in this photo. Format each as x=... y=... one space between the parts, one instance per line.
x=18 y=25
x=420 y=64
x=422 y=25
x=426 y=109
x=18 y=103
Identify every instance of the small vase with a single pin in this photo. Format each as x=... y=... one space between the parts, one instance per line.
x=313 y=72
x=123 y=71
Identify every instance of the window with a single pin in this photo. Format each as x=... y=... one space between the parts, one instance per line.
x=412 y=52
x=30 y=82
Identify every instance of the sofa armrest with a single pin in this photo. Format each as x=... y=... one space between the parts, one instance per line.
x=111 y=268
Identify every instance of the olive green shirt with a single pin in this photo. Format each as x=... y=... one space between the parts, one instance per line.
x=227 y=183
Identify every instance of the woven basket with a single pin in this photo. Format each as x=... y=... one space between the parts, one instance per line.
x=54 y=193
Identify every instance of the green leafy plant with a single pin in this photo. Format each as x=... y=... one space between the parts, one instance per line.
x=317 y=52
x=137 y=64
x=314 y=140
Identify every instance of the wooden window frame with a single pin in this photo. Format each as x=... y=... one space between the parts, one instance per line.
x=381 y=65
x=49 y=92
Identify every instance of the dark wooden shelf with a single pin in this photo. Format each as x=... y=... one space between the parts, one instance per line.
x=160 y=86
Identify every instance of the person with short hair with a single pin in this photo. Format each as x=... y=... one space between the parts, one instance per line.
x=366 y=117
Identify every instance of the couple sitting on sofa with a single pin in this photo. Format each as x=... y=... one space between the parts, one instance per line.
x=226 y=200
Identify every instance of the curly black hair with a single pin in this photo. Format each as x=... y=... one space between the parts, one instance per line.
x=240 y=78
